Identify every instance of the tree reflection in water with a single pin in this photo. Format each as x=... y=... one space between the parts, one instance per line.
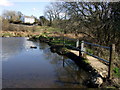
x=67 y=72
x=38 y=68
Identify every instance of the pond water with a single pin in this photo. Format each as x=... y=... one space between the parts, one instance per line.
x=25 y=67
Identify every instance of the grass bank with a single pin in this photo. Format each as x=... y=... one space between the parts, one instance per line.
x=19 y=30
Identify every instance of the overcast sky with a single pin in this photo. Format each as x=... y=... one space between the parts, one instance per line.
x=29 y=7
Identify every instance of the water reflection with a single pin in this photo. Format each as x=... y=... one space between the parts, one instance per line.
x=38 y=68
x=13 y=46
x=67 y=72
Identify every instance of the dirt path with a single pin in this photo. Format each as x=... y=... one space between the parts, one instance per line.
x=101 y=68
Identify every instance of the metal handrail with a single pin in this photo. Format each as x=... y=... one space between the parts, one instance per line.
x=111 y=49
x=96 y=57
x=97 y=45
x=89 y=54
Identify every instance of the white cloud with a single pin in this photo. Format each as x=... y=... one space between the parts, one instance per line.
x=5 y=3
x=34 y=9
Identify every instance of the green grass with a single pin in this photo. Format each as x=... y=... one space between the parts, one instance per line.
x=89 y=51
x=86 y=61
x=51 y=29
x=116 y=72
x=110 y=87
x=65 y=50
x=47 y=28
x=6 y=34
x=55 y=40
x=61 y=41
x=71 y=43
x=0 y=34
x=36 y=36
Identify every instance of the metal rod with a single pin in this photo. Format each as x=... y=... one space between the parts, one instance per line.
x=70 y=39
x=97 y=45
x=96 y=56
x=89 y=53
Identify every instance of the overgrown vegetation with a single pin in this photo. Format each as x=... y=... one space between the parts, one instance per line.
x=99 y=22
x=61 y=41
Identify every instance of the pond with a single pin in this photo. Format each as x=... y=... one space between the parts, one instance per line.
x=25 y=67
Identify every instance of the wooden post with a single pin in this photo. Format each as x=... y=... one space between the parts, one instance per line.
x=63 y=61
x=84 y=54
x=63 y=41
x=82 y=48
x=77 y=43
x=112 y=53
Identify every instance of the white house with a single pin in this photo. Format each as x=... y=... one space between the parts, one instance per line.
x=27 y=19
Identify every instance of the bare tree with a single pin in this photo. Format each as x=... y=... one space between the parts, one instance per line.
x=55 y=12
x=97 y=20
x=12 y=16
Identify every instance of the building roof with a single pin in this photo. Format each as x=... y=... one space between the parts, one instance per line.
x=28 y=17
